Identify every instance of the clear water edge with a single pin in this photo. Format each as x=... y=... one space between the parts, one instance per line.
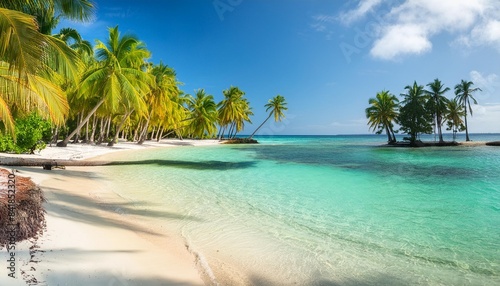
x=328 y=210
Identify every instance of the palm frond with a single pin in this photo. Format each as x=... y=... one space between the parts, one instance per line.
x=63 y=59
x=6 y=116
x=21 y=45
x=81 y=10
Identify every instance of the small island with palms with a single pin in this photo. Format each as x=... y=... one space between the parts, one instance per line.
x=422 y=111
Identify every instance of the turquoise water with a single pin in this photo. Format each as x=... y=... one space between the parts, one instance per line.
x=329 y=210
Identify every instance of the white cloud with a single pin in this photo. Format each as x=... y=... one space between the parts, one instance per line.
x=318 y=27
x=409 y=27
x=364 y=7
x=485 y=119
x=490 y=86
x=486 y=114
x=410 y=39
x=325 y=18
x=487 y=33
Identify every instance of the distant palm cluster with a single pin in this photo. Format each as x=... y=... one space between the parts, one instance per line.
x=98 y=93
x=422 y=111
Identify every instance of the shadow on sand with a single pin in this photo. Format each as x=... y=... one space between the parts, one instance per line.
x=196 y=165
x=83 y=209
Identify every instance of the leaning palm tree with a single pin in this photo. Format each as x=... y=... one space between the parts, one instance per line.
x=276 y=105
x=463 y=92
x=437 y=103
x=203 y=117
x=381 y=114
x=116 y=78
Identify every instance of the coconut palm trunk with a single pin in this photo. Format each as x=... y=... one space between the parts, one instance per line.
x=466 y=127
x=439 y=125
x=276 y=106
x=119 y=128
x=144 y=132
x=389 y=135
x=251 y=136
x=65 y=142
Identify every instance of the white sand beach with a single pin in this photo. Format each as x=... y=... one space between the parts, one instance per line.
x=92 y=237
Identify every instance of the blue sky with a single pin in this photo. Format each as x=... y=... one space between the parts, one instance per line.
x=326 y=57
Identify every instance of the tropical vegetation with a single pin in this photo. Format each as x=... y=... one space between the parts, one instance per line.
x=421 y=111
x=99 y=93
x=464 y=92
x=383 y=113
x=275 y=106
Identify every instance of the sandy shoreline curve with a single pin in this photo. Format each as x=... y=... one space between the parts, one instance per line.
x=93 y=236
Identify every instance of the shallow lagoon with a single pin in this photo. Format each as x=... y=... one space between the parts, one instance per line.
x=328 y=209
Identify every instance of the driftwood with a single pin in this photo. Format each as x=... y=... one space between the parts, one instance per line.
x=49 y=164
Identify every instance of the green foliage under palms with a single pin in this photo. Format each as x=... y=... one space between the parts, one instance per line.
x=413 y=117
x=382 y=113
x=32 y=131
x=463 y=92
x=276 y=105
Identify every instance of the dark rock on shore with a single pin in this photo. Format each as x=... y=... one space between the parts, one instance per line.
x=240 y=141
x=493 y=143
x=419 y=143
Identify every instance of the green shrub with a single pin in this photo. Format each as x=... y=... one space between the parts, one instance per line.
x=32 y=132
x=7 y=143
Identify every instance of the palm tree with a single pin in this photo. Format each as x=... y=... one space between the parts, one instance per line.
x=78 y=10
x=244 y=113
x=463 y=92
x=27 y=79
x=74 y=40
x=30 y=60
x=176 y=121
x=277 y=105
x=382 y=113
x=161 y=98
x=233 y=110
x=117 y=77
x=203 y=117
x=413 y=117
x=454 y=113
x=437 y=103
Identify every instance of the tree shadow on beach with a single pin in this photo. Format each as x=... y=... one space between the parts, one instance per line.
x=86 y=210
x=195 y=165
x=108 y=278
x=201 y=165
x=87 y=173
